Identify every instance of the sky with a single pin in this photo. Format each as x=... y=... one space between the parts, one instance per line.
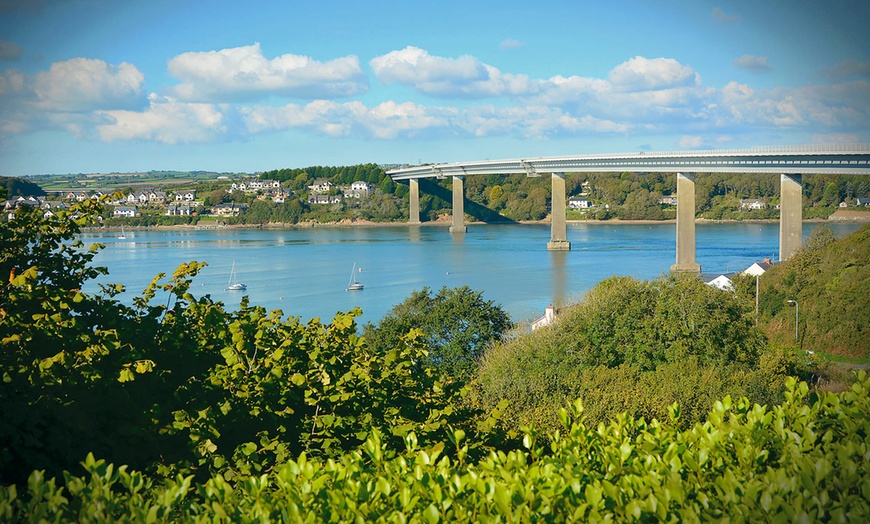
x=108 y=86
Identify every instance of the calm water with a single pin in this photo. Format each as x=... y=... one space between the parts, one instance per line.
x=304 y=272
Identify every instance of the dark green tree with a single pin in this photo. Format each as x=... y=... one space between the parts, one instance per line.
x=458 y=326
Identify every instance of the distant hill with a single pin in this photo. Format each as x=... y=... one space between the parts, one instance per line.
x=830 y=280
x=19 y=187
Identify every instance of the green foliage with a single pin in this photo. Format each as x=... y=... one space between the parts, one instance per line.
x=801 y=461
x=176 y=383
x=458 y=325
x=634 y=346
x=828 y=278
x=14 y=186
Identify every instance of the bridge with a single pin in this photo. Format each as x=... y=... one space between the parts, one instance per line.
x=790 y=162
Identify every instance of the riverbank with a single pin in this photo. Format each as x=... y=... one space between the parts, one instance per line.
x=358 y=223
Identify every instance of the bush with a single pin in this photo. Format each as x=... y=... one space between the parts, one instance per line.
x=623 y=348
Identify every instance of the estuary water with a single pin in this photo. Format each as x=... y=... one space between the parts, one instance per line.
x=304 y=272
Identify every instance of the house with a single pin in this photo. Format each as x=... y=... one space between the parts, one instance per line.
x=185 y=196
x=758 y=268
x=843 y=204
x=124 y=211
x=156 y=196
x=228 y=210
x=668 y=200
x=865 y=202
x=721 y=281
x=264 y=184
x=178 y=210
x=321 y=186
x=358 y=189
x=752 y=204
x=548 y=318
x=137 y=197
x=579 y=203
x=324 y=199
x=279 y=196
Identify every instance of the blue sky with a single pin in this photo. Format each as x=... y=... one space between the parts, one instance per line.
x=99 y=86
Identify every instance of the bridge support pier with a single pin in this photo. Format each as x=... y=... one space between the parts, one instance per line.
x=458 y=205
x=790 y=215
x=686 y=225
x=558 y=225
x=414 y=192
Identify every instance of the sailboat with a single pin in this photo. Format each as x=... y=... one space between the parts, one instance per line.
x=233 y=284
x=122 y=235
x=353 y=285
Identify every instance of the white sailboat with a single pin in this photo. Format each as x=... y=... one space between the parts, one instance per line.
x=354 y=285
x=122 y=235
x=233 y=284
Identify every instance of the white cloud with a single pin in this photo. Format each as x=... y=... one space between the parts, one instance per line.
x=834 y=106
x=753 y=64
x=385 y=121
x=463 y=77
x=691 y=142
x=510 y=43
x=243 y=73
x=167 y=121
x=84 y=84
x=835 y=138
x=644 y=74
x=12 y=83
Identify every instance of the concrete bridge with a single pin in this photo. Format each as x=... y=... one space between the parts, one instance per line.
x=790 y=162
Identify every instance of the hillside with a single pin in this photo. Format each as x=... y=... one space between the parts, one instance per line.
x=829 y=280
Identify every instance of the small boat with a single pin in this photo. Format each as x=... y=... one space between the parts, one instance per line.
x=354 y=285
x=122 y=236
x=233 y=284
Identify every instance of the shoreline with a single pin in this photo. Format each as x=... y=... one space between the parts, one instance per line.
x=444 y=223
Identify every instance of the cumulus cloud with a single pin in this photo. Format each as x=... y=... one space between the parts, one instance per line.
x=385 y=121
x=84 y=84
x=166 y=120
x=464 y=77
x=753 y=64
x=243 y=73
x=9 y=52
x=644 y=74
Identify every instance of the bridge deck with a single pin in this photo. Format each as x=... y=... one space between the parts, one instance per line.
x=836 y=159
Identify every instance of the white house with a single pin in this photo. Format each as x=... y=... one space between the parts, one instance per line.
x=548 y=318
x=579 y=203
x=668 y=200
x=185 y=196
x=324 y=199
x=722 y=282
x=321 y=186
x=758 y=268
x=752 y=204
x=124 y=211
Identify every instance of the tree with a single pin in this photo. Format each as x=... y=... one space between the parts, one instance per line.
x=458 y=325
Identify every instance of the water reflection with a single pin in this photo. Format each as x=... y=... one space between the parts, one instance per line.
x=559 y=260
